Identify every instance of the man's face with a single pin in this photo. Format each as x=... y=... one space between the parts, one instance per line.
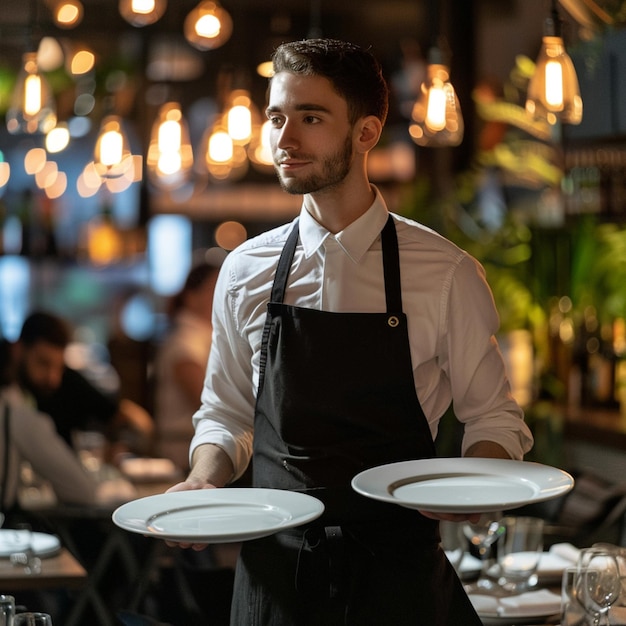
x=41 y=367
x=311 y=136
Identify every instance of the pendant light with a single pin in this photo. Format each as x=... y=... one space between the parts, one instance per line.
x=170 y=155
x=67 y=13
x=32 y=109
x=142 y=12
x=553 y=91
x=208 y=26
x=112 y=156
x=436 y=116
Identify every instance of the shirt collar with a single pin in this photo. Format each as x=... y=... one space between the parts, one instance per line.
x=355 y=239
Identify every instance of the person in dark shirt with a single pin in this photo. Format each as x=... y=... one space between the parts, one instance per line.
x=65 y=394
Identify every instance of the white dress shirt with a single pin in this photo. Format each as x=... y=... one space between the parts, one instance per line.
x=188 y=340
x=452 y=323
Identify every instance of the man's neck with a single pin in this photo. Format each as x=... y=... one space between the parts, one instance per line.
x=337 y=208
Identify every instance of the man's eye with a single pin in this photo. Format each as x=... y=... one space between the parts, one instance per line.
x=311 y=119
x=274 y=120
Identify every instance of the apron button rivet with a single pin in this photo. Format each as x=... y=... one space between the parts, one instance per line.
x=393 y=321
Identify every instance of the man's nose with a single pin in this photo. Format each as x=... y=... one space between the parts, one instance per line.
x=286 y=137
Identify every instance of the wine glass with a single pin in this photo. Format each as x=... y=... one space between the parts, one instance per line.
x=483 y=534
x=599 y=583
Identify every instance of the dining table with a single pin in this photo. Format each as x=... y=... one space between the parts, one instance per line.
x=59 y=571
x=102 y=549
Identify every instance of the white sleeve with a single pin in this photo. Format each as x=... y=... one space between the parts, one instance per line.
x=226 y=415
x=480 y=388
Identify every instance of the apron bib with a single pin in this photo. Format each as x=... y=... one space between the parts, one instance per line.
x=336 y=396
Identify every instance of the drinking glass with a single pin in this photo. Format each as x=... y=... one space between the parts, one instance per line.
x=573 y=613
x=23 y=554
x=7 y=610
x=599 y=583
x=32 y=619
x=519 y=552
x=483 y=535
x=452 y=542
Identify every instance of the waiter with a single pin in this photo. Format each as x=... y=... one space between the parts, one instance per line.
x=339 y=341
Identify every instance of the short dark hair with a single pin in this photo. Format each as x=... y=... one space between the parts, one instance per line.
x=354 y=72
x=43 y=326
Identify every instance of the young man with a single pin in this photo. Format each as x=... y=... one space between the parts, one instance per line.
x=63 y=393
x=373 y=325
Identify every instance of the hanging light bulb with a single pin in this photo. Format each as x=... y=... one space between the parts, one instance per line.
x=142 y=12
x=208 y=26
x=260 y=150
x=170 y=156
x=112 y=156
x=67 y=13
x=242 y=116
x=32 y=107
x=553 y=92
x=222 y=158
x=437 y=119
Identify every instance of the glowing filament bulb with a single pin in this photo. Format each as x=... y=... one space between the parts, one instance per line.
x=143 y=6
x=32 y=94
x=220 y=147
x=436 y=110
x=554 y=84
x=239 y=123
x=111 y=148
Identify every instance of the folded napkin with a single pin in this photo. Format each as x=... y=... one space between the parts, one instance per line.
x=540 y=602
x=565 y=551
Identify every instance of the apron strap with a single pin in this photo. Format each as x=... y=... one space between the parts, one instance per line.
x=391 y=267
x=284 y=265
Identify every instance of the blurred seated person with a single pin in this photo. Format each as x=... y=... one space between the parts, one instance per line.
x=28 y=435
x=181 y=363
x=72 y=401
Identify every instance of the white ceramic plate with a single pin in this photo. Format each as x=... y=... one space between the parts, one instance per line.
x=43 y=544
x=217 y=515
x=462 y=485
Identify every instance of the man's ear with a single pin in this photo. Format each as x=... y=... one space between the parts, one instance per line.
x=368 y=133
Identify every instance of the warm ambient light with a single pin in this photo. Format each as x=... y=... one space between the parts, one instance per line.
x=58 y=138
x=142 y=12
x=32 y=107
x=208 y=26
x=112 y=156
x=67 y=13
x=553 y=91
x=170 y=155
x=437 y=119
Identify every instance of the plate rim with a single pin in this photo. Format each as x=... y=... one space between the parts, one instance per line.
x=379 y=486
x=220 y=496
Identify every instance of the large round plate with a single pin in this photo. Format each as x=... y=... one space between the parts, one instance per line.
x=43 y=544
x=462 y=485
x=217 y=515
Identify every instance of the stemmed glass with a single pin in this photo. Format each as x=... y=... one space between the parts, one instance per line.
x=483 y=534
x=599 y=584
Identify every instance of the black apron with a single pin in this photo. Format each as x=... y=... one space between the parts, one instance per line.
x=336 y=396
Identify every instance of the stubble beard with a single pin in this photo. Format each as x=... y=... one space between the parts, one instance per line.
x=335 y=168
